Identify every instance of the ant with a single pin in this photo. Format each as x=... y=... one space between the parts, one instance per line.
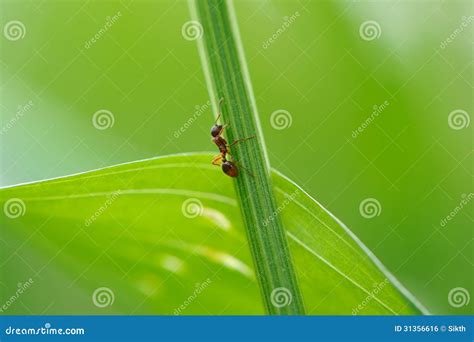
x=228 y=167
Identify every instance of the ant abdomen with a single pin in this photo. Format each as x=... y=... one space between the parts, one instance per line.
x=230 y=169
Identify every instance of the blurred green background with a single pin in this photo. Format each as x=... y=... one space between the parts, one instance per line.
x=323 y=68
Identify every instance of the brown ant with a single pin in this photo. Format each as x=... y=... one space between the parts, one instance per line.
x=228 y=167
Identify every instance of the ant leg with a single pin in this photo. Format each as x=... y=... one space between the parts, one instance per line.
x=241 y=140
x=217 y=160
x=240 y=165
x=224 y=127
x=247 y=170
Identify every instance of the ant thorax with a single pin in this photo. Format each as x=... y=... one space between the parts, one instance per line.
x=221 y=143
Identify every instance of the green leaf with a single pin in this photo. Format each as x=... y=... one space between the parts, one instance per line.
x=165 y=236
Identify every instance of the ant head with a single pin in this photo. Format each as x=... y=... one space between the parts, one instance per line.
x=216 y=130
x=230 y=169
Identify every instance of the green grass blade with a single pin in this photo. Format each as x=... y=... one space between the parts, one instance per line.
x=225 y=70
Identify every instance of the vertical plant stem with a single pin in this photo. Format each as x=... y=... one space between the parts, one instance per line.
x=227 y=77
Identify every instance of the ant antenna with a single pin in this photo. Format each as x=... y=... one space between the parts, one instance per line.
x=219 y=108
